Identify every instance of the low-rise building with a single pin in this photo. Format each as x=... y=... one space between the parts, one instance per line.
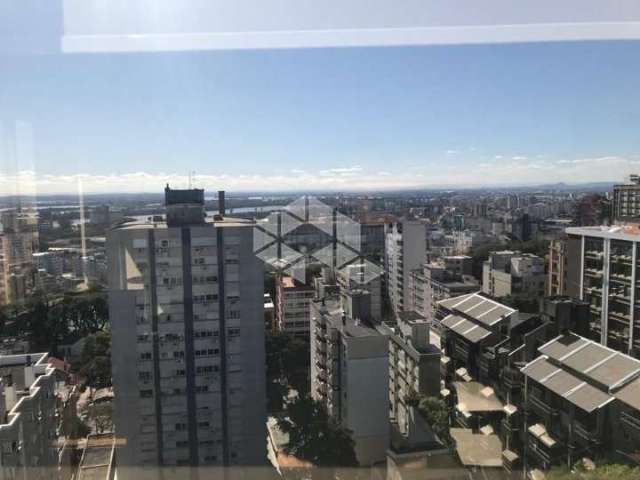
x=435 y=281
x=513 y=273
x=582 y=400
x=292 y=306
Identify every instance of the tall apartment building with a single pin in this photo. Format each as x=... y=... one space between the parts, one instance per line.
x=292 y=306
x=414 y=367
x=626 y=201
x=512 y=273
x=405 y=251
x=18 y=241
x=28 y=430
x=350 y=376
x=186 y=310
x=557 y=268
x=448 y=277
x=602 y=269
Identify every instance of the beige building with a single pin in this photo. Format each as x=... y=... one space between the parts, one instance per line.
x=18 y=242
x=292 y=306
x=512 y=273
x=447 y=277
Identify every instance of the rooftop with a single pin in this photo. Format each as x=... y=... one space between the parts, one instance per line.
x=477 y=449
x=586 y=373
x=477 y=397
x=161 y=222
x=597 y=363
x=334 y=315
x=622 y=232
x=484 y=310
x=469 y=330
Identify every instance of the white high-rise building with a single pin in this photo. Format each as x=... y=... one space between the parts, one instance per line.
x=350 y=375
x=186 y=310
x=405 y=250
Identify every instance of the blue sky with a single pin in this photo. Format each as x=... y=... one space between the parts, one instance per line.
x=342 y=118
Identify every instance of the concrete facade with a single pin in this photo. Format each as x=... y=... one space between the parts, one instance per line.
x=350 y=376
x=405 y=251
x=28 y=434
x=186 y=309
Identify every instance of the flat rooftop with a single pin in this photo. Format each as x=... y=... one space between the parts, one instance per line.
x=620 y=232
x=477 y=449
x=334 y=315
x=477 y=397
x=150 y=223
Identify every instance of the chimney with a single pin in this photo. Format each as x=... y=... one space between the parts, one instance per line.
x=221 y=205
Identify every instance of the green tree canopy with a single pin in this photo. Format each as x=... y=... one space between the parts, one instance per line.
x=288 y=360
x=602 y=472
x=95 y=360
x=436 y=414
x=315 y=437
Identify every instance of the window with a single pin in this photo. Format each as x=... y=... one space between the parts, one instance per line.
x=146 y=393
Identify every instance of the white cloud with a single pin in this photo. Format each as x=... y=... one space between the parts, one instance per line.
x=512 y=172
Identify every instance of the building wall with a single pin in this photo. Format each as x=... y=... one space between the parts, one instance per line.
x=366 y=409
x=186 y=307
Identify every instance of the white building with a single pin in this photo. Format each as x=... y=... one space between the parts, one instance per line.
x=414 y=367
x=28 y=436
x=350 y=376
x=405 y=250
x=511 y=273
x=602 y=268
x=186 y=309
x=448 y=277
x=292 y=307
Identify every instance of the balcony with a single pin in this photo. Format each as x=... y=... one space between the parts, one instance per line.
x=593 y=273
x=512 y=379
x=630 y=421
x=541 y=407
x=590 y=434
x=510 y=460
x=620 y=278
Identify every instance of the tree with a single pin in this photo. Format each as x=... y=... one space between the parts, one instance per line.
x=95 y=361
x=288 y=360
x=602 y=472
x=436 y=414
x=479 y=255
x=101 y=414
x=75 y=428
x=315 y=437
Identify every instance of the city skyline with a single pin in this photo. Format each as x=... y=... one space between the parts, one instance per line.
x=326 y=119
